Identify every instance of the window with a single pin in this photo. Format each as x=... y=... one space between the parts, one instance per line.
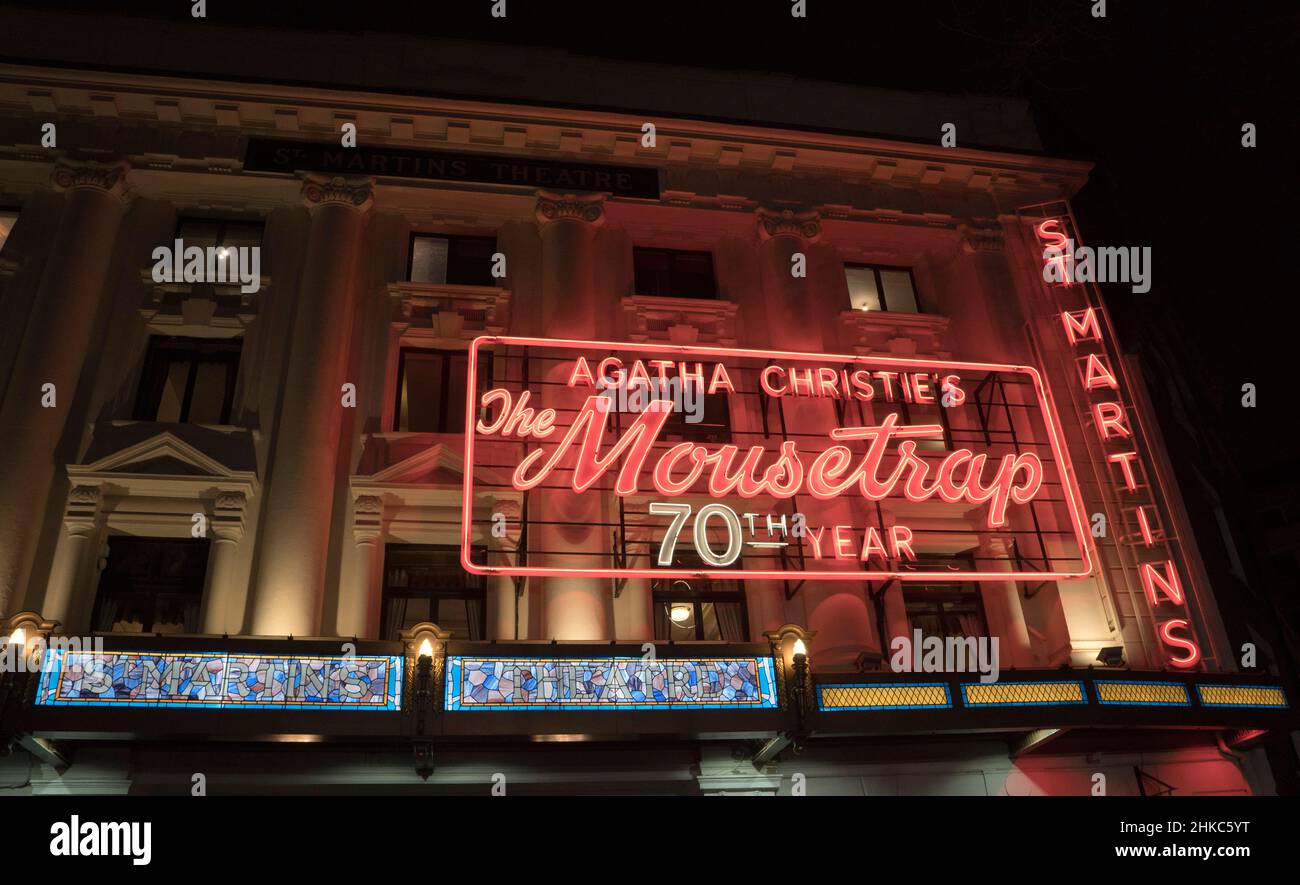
x=188 y=380
x=431 y=389
x=7 y=220
x=946 y=610
x=713 y=426
x=674 y=274
x=699 y=608
x=881 y=288
x=425 y=582
x=151 y=585
x=204 y=232
x=457 y=261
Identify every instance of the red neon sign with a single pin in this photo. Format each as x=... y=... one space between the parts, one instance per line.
x=566 y=437
x=1160 y=581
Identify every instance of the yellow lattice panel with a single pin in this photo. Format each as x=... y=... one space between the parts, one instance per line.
x=883 y=697
x=1004 y=694
x=1159 y=693
x=1242 y=695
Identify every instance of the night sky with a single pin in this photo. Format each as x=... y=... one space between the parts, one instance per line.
x=1155 y=93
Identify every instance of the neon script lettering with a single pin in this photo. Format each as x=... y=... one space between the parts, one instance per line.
x=959 y=476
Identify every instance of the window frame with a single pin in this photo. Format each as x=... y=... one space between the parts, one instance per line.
x=437 y=235
x=103 y=588
x=713 y=590
x=151 y=374
x=222 y=226
x=713 y=273
x=880 y=286
x=485 y=371
x=434 y=594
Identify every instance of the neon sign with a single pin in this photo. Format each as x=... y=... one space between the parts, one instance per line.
x=1099 y=379
x=890 y=431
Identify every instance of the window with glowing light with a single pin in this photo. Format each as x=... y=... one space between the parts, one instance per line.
x=711 y=610
x=878 y=288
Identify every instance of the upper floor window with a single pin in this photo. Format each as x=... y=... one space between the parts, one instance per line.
x=220 y=233
x=704 y=419
x=425 y=582
x=188 y=380
x=672 y=273
x=709 y=609
x=889 y=289
x=8 y=218
x=431 y=389
x=151 y=585
x=457 y=261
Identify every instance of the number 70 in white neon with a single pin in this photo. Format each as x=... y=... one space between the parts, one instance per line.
x=680 y=513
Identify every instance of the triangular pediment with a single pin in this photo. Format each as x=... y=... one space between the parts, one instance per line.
x=436 y=465
x=162 y=455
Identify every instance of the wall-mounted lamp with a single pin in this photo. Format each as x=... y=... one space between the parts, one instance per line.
x=790 y=649
x=428 y=641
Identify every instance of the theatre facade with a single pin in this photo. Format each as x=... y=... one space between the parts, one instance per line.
x=370 y=440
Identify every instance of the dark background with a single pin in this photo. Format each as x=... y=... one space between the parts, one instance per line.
x=1155 y=93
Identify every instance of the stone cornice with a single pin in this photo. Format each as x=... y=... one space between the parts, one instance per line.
x=516 y=129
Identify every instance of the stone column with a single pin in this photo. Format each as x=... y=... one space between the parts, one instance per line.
x=791 y=300
x=574 y=608
x=360 y=597
x=302 y=474
x=53 y=352
x=1006 y=618
x=68 y=594
x=222 y=612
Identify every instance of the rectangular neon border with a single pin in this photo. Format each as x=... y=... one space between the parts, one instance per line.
x=1285 y=705
x=764 y=670
x=976 y=705
x=47 y=691
x=946 y=705
x=1064 y=468
x=1185 y=702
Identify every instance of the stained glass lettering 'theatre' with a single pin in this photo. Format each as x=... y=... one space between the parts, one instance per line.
x=613 y=683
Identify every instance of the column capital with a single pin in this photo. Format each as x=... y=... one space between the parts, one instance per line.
x=351 y=193
x=108 y=177
x=570 y=207
x=788 y=223
x=368 y=518
x=82 y=513
x=227 y=522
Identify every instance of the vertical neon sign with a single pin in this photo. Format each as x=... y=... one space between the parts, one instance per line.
x=1121 y=438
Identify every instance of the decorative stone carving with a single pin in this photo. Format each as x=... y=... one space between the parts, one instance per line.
x=77 y=175
x=788 y=223
x=89 y=495
x=353 y=193
x=570 y=207
x=230 y=501
x=369 y=504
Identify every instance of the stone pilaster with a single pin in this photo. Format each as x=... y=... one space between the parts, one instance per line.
x=574 y=608
x=43 y=385
x=360 y=598
x=221 y=595
x=302 y=476
x=81 y=526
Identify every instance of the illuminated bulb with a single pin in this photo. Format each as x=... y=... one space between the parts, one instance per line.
x=223 y=252
x=680 y=614
x=19 y=637
x=800 y=648
x=426 y=648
